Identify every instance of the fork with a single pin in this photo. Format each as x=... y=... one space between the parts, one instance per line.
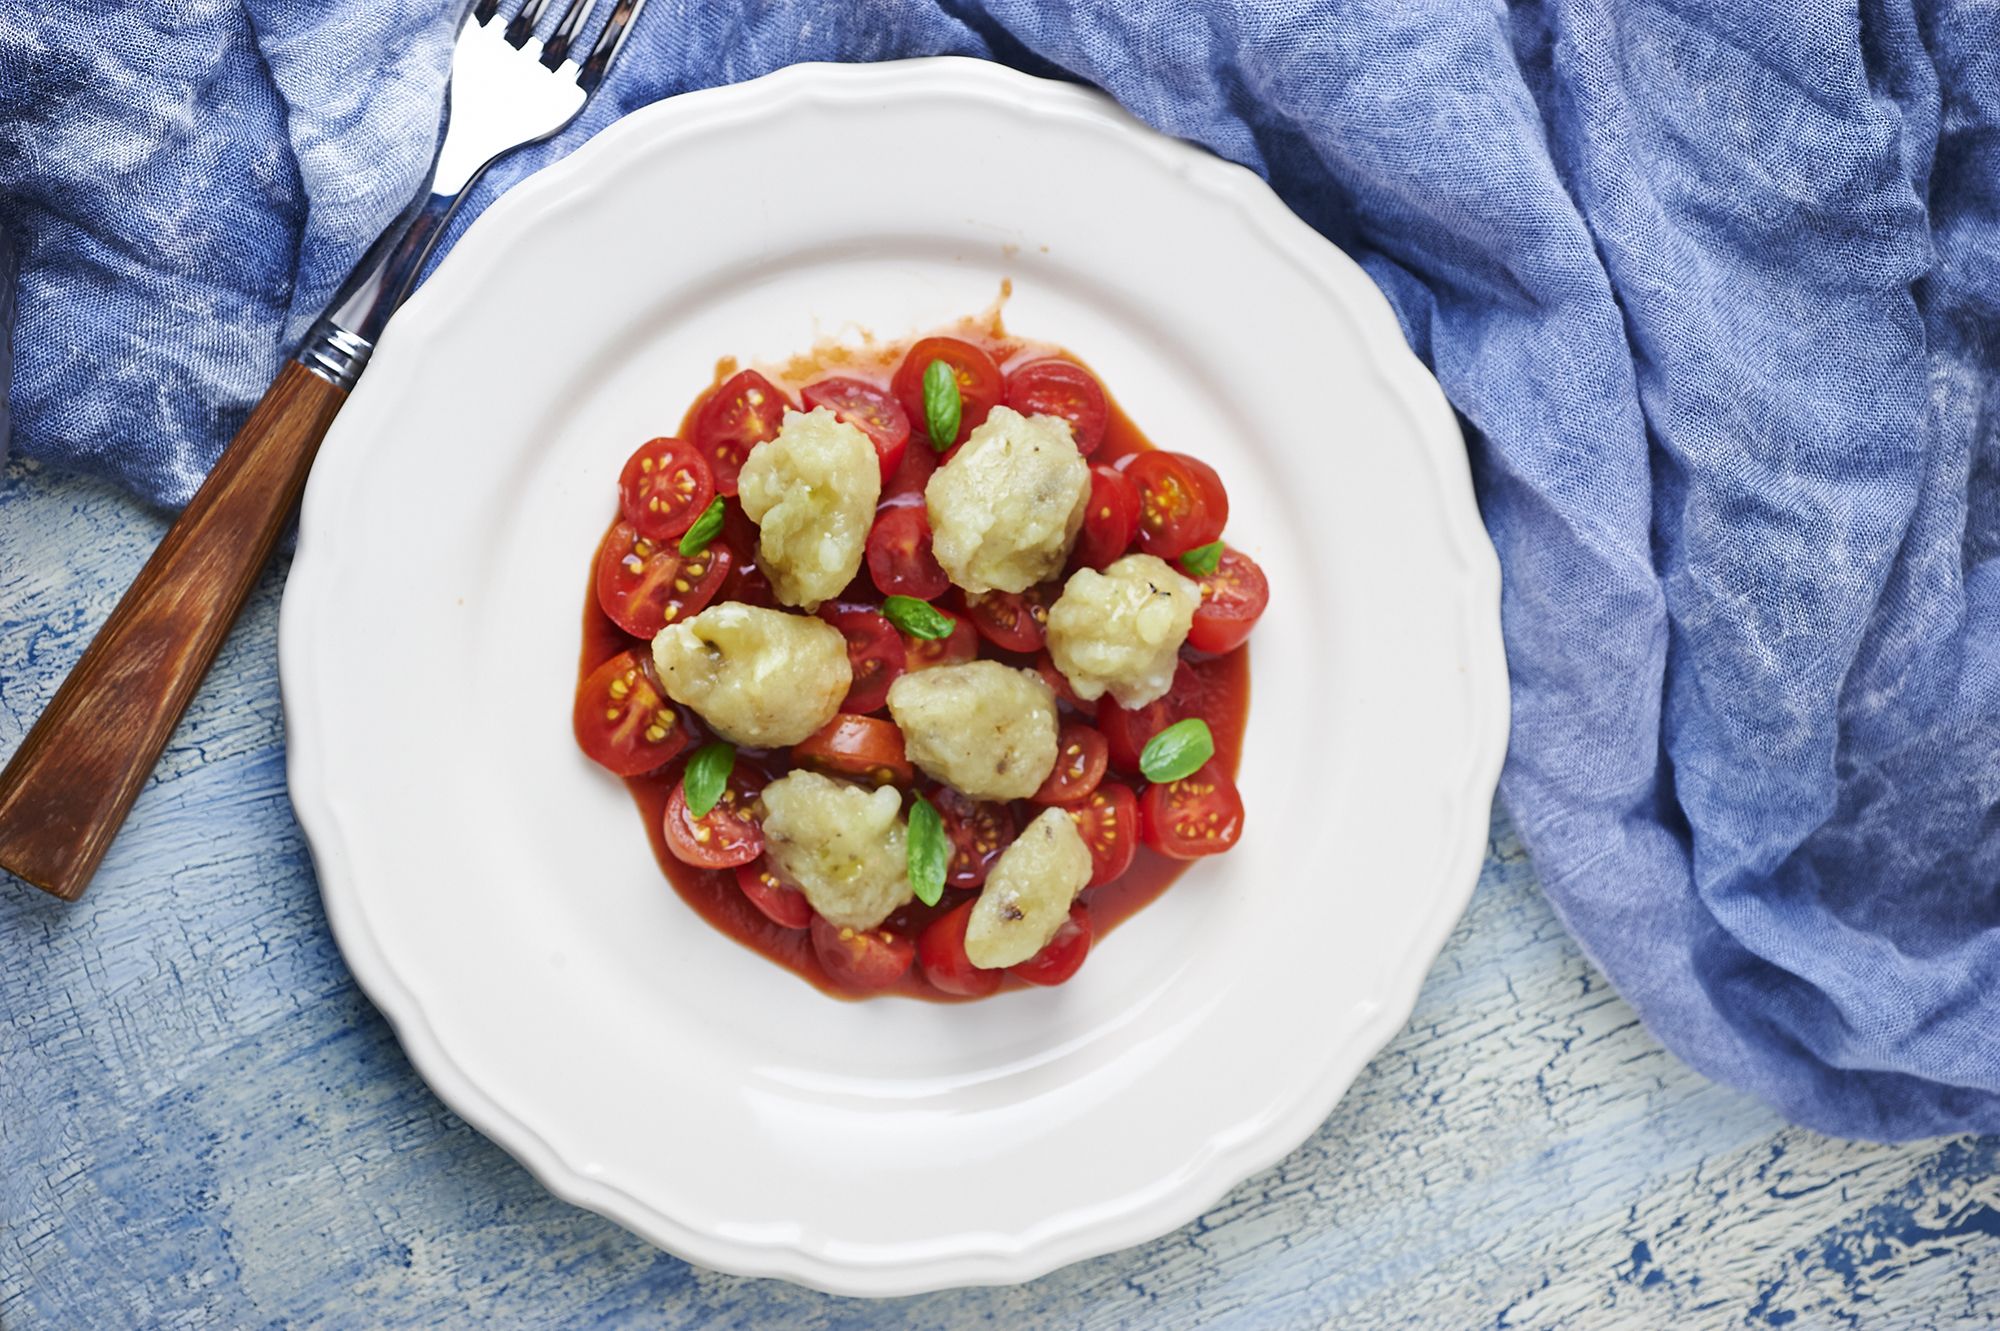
x=75 y=776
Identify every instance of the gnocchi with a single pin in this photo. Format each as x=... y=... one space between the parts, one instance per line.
x=1027 y=896
x=985 y=729
x=757 y=676
x=1120 y=631
x=841 y=845
x=1007 y=508
x=811 y=492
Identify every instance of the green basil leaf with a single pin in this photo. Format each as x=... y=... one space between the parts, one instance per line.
x=930 y=851
x=706 y=528
x=706 y=775
x=942 y=407
x=1177 y=751
x=1201 y=560
x=919 y=619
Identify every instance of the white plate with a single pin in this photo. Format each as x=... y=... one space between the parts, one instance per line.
x=495 y=893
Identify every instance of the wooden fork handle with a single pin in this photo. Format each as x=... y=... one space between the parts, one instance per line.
x=74 y=778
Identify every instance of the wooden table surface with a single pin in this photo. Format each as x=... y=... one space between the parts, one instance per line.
x=204 y=1124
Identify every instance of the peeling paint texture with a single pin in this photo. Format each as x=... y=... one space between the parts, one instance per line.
x=203 y=1124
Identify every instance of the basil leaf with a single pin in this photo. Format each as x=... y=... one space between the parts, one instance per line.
x=919 y=619
x=1201 y=560
x=1177 y=751
x=706 y=528
x=930 y=851
x=942 y=406
x=705 y=776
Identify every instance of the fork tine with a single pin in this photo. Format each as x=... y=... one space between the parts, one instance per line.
x=523 y=26
x=609 y=42
x=485 y=10
x=573 y=20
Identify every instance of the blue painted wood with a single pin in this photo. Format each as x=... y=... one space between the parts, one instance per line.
x=203 y=1123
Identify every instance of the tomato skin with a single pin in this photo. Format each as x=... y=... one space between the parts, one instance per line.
x=1111 y=520
x=914 y=472
x=743 y=412
x=1081 y=757
x=1059 y=684
x=1198 y=815
x=864 y=748
x=639 y=580
x=1232 y=600
x=875 y=653
x=725 y=836
x=941 y=952
x=1011 y=621
x=980 y=385
x=1062 y=956
x=1181 y=501
x=1109 y=822
x=619 y=707
x=861 y=960
x=869 y=410
x=923 y=653
x=1057 y=387
x=664 y=487
x=979 y=832
x=900 y=562
x=780 y=903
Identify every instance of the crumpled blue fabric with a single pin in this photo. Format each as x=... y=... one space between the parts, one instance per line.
x=1713 y=286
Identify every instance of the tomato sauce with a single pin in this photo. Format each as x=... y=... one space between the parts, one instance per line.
x=714 y=894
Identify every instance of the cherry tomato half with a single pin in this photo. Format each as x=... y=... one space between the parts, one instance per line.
x=979 y=832
x=1081 y=757
x=1181 y=501
x=1062 y=955
x=724 y=837
x=979 y=383
x=1194 y=816
x=1232 y=599
x=781 y=903
x=869 y=410
x=865 y=748
x=1109 y=822
x=1126 y=729
x=875 y=654
x=961 y=645
x=1059 y=684
x=664 y=487
x=914 y=472
x=941 y=952
x=741 y=414
x=1111 y=521
x=623 y=720
x=900 y=562
x=1011 y=621
x=746 y=581
x=1056 y=387
x=645 y=584
x=861 y=960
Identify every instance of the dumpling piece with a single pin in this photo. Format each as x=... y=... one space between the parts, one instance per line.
x=841 y=845
x=1007 y=507
x=1120 y=631
x=758 y=677
x=811 y=492
x=984 y=729
x=1028 y=894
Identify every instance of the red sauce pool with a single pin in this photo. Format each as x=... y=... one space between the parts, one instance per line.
x=714 y=894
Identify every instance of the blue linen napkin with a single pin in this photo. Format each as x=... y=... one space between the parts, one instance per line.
x=1712 y=286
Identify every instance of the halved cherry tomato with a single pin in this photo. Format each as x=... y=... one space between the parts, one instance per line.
x=869 y=410
x=979 y=383
x=741 y=414
x=1127 y=729
x=746 y=581
x=861 y=959
x=1194 y=816
x=875 y=653
x=1081 y=757
x=724 y=837
x=900 y=562
x=979 y=832
x=1181 y=501
x=781 y=903
x=1109 y=822
x=923 y=653
x=1059 y=684
x=914 y=472
x=664 y=488
x=865 y=748
x=623 y=720
x=1056 y=387
x=645 y=584
x=1232 y=599
x=1062 y=955
x=1011 y=621
x=941 y=952
x=1111 y=521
